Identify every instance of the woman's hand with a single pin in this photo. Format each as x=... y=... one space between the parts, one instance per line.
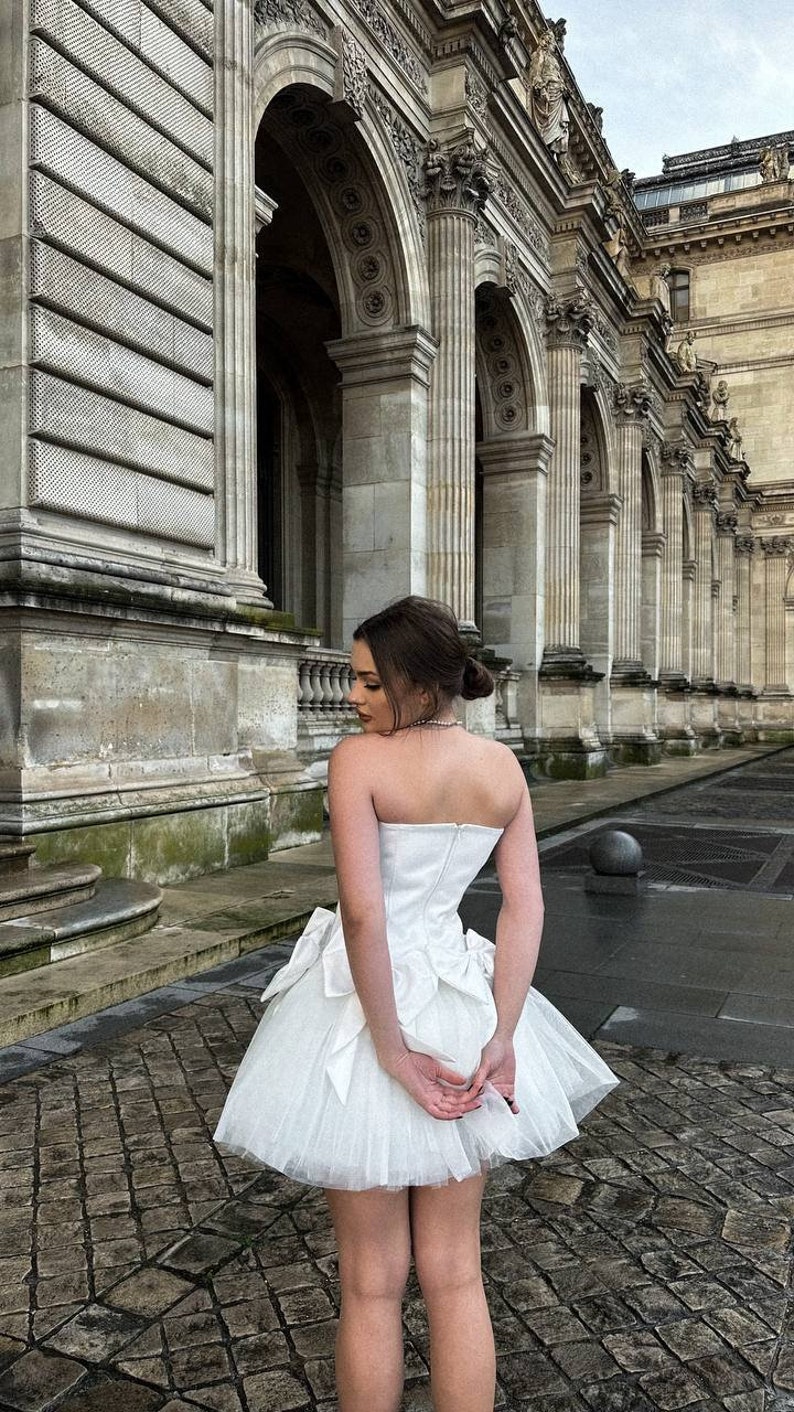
x=497 y=1066
x=439 y=1090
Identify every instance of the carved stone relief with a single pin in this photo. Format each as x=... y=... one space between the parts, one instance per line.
x=456 y=178
x=569 y=320
x=591 y=474
x=409 y=149
x=504 y=191
x=632 y=401
x=372 y=12
x=476 y=94
x=289 y=14
x=352 y=71
x=500 y=355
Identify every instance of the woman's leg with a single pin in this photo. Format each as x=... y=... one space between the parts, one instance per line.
x=445 y=1230
x=373 y=1237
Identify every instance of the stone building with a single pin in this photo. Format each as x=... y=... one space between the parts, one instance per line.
x=306 y=305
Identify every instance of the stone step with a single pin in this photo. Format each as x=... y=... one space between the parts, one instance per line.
x=34 y=1001
x=15 y=855
x=42 y=889
x=119 y=910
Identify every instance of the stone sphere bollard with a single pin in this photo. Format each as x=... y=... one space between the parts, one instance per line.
x=616 y=858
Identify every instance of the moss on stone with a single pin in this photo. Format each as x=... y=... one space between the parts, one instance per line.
x=108 y=845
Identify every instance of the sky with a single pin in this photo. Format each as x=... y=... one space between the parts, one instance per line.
x=677 y=75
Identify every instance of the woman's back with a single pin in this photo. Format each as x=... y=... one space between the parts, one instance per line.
x=435 y=775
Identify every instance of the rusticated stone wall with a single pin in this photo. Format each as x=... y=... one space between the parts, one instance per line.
x=120 y=271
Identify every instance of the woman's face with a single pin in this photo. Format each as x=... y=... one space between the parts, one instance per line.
x=369 y=698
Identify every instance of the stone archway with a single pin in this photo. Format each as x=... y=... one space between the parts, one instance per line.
x=344 y=308
x=512 y=459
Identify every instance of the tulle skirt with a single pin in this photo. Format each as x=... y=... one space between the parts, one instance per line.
x=286 y=1109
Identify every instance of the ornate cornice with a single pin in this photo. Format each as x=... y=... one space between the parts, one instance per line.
x=456 y=178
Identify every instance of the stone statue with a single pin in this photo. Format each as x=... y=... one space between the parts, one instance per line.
x=660 y=289
x=685 y=354
x=618 y=248
x=773 y=163
x=735 y=443
x=547 y=95
x=719 y=396
x=559 y=29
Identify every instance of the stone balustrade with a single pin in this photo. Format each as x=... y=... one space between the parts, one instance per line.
x=324 y=679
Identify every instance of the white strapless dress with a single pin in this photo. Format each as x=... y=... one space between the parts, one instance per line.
x=310 y=1098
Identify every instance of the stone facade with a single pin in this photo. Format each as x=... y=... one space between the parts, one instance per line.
x=306 y=306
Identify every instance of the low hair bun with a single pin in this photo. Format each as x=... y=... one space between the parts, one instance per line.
x=477 y=680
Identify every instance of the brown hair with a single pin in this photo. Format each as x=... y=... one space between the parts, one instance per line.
x=415 y=642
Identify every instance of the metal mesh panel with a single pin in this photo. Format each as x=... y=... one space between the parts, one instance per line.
x=66 y=154
x=77 y=290
x=86 y=420
x=60 y=216
x=66 y=480
x=190 y=19
x=93 y=49
x=79 y=99
x=88 y=357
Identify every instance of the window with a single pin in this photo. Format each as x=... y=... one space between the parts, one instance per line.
x=678 y=281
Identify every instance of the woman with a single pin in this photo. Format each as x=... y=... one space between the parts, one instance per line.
x=400 y=1059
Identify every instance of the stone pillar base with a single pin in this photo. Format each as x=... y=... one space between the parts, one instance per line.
x=728 y=722
x=703 y=707
x=746 y=710
x=635 y=740
x=774 y=715
x=568 y=745
x=675 y=729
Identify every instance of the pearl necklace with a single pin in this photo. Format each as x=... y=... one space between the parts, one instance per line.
x=430 y=721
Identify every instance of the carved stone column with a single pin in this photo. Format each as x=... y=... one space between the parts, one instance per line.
x=674 y=724
x=744 y=545
x=776 y=555
x=726 y=619
x=456 y=189
x=235 y=300
x=632 y=406
x=674 y=468
x=569 y=323
x=704 y=497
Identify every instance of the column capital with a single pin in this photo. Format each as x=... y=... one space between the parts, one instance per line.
x=569 y=320
x=727 y=522
x=778 y=545
x=704 y=495
x=632 y=402
x=380 y=356
x=676 y=459
x=456 y=178
x=745 y=544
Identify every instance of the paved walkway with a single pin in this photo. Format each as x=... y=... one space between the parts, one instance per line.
x=647 y=1266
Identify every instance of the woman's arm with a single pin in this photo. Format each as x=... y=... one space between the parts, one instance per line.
x=356 y=844
x=354 y=835
x=518 y=932
x=520 y=922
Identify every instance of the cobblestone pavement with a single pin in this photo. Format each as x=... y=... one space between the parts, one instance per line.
x=647 y=1266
